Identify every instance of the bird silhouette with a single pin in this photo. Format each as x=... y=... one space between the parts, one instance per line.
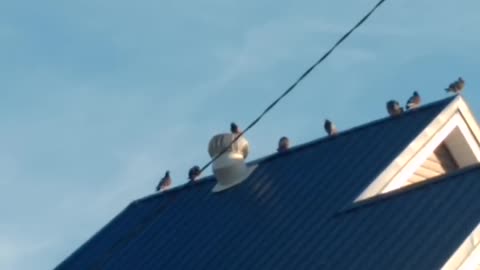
x=456 y=87
x=394 y=108
x=283 y=144
x=165 y=182
x=414 y=101
x=330 y=127
x=193 y=173
x=234 y=128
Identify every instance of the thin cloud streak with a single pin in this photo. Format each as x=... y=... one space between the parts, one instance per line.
x=83 y=138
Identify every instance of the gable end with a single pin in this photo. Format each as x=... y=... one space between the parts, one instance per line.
x=448 y=143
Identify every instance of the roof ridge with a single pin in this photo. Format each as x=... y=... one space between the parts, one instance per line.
x=353 y=129
x=300 y=147
x=440 y=179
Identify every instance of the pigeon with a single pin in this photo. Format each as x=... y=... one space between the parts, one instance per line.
x=193 y=173
x=165 y=182
x=234 y=128
x=456 y=87
x=394 y=108
x=414 y=101
x=330 y=128
x=283 y=144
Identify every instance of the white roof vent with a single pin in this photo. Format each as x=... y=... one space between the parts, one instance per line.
x=230 y=168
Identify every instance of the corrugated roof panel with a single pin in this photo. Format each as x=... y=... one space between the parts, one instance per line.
x=420 y=227
x=289 y=214
x=113 y=234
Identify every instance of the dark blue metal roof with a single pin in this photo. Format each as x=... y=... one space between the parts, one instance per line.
x=296 y=211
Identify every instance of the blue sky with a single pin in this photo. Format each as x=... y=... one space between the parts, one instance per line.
x=99 y=98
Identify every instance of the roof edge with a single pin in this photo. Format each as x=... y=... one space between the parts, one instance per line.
x=408 y=189
x=300 y=147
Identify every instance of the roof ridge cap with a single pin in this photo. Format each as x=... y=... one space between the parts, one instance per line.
x=305 y=145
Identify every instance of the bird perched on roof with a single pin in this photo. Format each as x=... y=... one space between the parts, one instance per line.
x=283 y=144
x=330 y=127
x=193 y=173
x=414 y=101
x=394 y=108
x=456 y=87
x=165 y=182
x=234 y=128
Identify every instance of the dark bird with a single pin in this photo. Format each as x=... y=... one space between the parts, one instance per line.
x=330 y=127
x=193 y=173
x=456 y=87
x=414 y=101
x=394 y=108
x=234 y=128
x=165 y=182
x=283 y=144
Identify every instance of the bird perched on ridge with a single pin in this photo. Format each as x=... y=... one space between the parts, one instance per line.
x=330 y=127
x=165 y=182
x=456 y=87
x=283 y=144
x=414 y=101
x=394 y=108
x=234 y=128
x=193 y=173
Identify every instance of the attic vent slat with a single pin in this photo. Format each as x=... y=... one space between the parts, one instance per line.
x=426 y=172
x=415 y=179
x=434 y=158
x=434 y=166
x=439 y=162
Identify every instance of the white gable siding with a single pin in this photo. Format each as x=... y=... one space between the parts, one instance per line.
x=449 y=142
x=439 y=162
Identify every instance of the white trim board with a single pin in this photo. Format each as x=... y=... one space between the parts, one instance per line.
x=467 y=256
x=455 y=125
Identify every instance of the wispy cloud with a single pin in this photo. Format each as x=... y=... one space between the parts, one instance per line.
x=277 y=42
x=17 y=253
x=6 y=32
x=9 y=169
x=127 y=91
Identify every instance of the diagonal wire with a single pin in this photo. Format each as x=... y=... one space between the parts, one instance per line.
x=121 y=243
x=303 y=76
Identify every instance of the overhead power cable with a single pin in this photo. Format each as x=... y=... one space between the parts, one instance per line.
x=99 y=263
x=289 y=89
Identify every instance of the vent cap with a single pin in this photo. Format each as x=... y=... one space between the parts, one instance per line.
x=230 y=168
